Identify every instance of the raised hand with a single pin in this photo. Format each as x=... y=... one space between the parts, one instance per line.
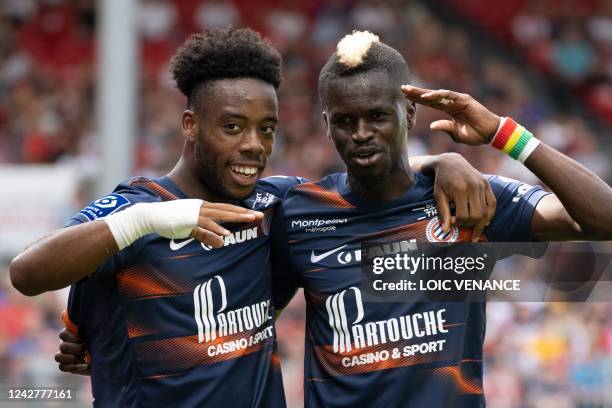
x=209 y=232
x=471 y=123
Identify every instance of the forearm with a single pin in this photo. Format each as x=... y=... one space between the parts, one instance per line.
x=62 y=258
x=585 y=197
x=580 y=206
x=68 y=255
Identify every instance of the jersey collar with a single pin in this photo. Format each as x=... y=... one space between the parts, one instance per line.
x=413 y=195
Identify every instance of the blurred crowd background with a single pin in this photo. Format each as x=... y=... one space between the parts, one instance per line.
x=547 y=63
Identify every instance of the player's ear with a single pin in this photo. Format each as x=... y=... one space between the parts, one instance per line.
x=411 y=114
x=189 y=125
x=325 y=119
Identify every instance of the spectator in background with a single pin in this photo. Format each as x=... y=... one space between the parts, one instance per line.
x=374 y=15
x=600 y=23
x=330 y=23
x=286 y=25
x=532 y=26
x=217 y=14
x=156 y=19
x=572 y=55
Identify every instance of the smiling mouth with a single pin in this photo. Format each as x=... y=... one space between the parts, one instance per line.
x=246 y=171
x=245 y=176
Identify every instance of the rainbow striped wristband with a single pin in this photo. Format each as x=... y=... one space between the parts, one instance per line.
x=514 y=140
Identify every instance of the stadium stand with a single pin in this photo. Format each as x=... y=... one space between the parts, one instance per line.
x=47 y=87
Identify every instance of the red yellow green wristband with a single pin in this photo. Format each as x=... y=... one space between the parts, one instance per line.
x=514 y=140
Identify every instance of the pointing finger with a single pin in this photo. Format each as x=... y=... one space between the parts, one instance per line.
x=411 y=90
x=209 y=225
x=444 y=212
x=207 y=237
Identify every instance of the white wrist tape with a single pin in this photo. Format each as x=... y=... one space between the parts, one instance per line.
x=170 y=219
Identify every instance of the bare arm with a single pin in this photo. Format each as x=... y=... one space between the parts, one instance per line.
x=579 y=207
x=63 y=257
x=68 y=255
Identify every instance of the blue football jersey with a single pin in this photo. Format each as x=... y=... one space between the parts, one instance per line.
x=178 y=323
x=383 y=354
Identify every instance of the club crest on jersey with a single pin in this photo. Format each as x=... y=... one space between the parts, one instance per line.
x=435 y=233
x=104 y=206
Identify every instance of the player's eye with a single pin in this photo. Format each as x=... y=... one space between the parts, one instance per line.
x=268 y=130
x=378 y=115
x=342 y=121
x=232 y=128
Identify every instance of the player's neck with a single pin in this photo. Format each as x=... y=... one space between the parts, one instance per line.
x=392 y=186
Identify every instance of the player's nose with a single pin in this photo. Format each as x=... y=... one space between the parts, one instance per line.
x=252 y=143
x=363 y=132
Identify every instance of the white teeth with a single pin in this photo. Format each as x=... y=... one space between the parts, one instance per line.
x=244 y=170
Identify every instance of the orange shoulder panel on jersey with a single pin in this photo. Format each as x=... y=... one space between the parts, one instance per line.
x=331 y=198
x=153 y=186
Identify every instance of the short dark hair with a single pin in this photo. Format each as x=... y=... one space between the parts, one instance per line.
x=221 y=54
x=379 y=57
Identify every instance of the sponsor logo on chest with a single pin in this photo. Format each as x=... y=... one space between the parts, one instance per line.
x=318 y=225
x=343 y=255
x=392 y=339
x=212 y=318
x=236 y=237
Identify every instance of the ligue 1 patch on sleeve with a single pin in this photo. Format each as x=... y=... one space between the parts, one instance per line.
x=104 y=206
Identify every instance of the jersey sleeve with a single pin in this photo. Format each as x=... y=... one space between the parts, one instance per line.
x=285 y=280
x=516 y=203
x=73 y=315
x=119 y=200
x=278 y=185
x=122 y=198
